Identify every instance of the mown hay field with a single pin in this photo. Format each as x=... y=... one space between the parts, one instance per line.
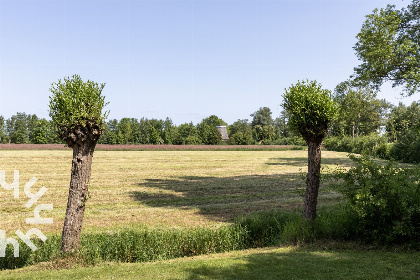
x=166 y=189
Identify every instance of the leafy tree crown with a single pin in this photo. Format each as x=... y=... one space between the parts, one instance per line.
x=262 y=117
x=389 y=48
x=310 y=108
x=77 y=104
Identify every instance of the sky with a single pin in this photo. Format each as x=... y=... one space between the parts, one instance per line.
x=182 y=59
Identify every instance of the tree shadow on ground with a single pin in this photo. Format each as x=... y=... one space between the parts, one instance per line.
x=223 y=199
x=303 y=161
x=304 y=264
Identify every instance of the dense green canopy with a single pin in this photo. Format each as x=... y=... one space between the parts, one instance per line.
x=310 y=108
x=76 y=104
x=389 y=48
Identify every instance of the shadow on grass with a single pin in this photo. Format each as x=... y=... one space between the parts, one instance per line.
x=302 y=264
x=223 y=199
x=303 y=162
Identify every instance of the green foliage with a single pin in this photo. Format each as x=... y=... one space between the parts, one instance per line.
x=281 y=126
x=169 y=131
x=192 y=140
x=125 y=131
x=145 y=131
x=270 y=228
x=263 y=134
x=262 y=117
x=109 y=135
x=310 y=109
x=3 y=135
x=140 y=245
x=401 y=119
x=148 y=245
x=359 y=112
x=240 y=133
x=76 y=103
x=209 y=135
x=208 y=132
x=292 y=140
x=262 y=125
x=18 y=128
x=187 y=134
x=273 y=228
x=259 y=229
x=23 y=128
x=384 y=201
x=213 y=121
x=403 y=127
x=389 y=48
x=407 y=148
x=42 y=133
x=373 y=145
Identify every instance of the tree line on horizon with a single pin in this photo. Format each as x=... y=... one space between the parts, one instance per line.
x=360 y=113
x=24 y=128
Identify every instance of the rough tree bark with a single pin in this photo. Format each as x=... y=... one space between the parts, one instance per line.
x=83 y=141
x=312 y=180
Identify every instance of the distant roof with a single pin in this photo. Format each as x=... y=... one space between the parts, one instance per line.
x=223 y=131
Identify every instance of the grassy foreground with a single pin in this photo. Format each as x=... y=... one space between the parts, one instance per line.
x=268 y=263
x=170 y=189
x=184 y=190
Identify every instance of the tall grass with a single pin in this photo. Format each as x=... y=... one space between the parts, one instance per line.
x=139 y=245
x=279 y=227
x=260 y=229
x=151 y=245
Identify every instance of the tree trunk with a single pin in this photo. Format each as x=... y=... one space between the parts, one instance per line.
x=312 y=180
x=78 y=194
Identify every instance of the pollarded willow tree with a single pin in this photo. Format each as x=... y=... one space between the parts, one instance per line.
x=76 y=111
x=311 y=109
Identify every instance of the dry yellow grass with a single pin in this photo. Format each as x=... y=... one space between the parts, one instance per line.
x=160 y=188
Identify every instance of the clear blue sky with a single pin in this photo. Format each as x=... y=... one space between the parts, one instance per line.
x=180 y=59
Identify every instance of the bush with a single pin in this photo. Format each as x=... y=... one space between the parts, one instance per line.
x=372 y=145
x=407 y=148
x=384 y=201
x=293 y=140
x=241 y=138
x=192 y=140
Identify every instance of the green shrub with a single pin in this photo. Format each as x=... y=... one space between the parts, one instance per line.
x=192 y=140
x=293 y=140
x=407 y=148
x=241 y=138
x=384 y=201
x=373 y=145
